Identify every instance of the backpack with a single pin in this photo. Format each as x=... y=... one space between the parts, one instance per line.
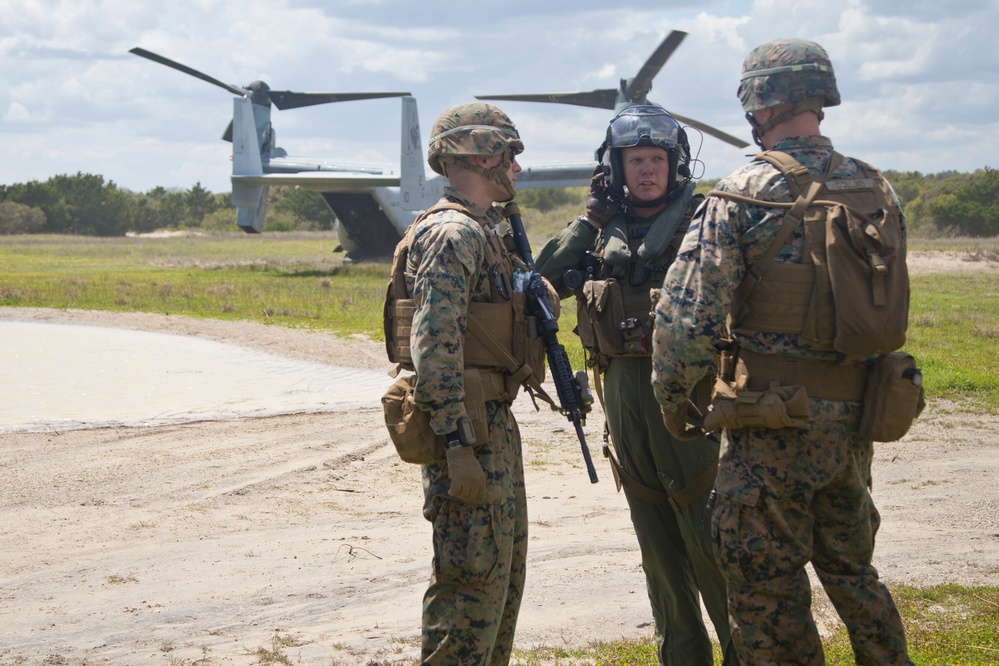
x=852 y=296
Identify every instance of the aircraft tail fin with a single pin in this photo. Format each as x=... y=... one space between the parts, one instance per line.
x=250 y=202
x=412 y=178
x=251 y=220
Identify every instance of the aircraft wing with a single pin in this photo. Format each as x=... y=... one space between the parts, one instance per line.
x=556 y=175
x=322 y=181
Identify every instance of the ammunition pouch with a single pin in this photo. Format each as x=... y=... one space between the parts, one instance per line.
x=893 y=398
x=409 y=426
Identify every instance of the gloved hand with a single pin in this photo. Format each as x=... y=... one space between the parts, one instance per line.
x=468 y=481
x=679 y=422
x=601 y=206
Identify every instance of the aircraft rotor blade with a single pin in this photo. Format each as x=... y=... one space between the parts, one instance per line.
x=285 y=99
x=640 y=86
x=712 y=131
x=235 y=90
x=597 y=99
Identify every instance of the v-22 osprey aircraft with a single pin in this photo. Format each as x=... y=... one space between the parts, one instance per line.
x=373 y=206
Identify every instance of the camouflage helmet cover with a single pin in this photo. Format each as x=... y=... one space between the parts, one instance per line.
x=786 y=71
x=469 y=130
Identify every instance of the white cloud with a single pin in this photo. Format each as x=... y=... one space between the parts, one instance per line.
x=16 y=112
x=920 y=82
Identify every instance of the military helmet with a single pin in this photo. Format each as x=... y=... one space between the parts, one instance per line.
x=644 y=125
x=785 y=71
x=470 y=130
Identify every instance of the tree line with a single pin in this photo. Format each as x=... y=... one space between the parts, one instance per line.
x=942 y=204
x=86 y=204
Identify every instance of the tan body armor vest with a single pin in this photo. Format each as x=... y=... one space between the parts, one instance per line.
x=799 y=299
x=503 y=345
x=849 y=295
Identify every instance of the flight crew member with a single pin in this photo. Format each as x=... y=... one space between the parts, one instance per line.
x=451 y=264
x=640 y=202
x=788 y=495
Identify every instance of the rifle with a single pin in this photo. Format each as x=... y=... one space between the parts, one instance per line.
x=573 y=391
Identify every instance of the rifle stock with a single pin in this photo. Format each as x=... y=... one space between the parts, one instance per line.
x=569 y=387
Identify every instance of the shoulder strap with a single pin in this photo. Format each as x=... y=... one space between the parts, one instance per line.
x=397 y=282
x=438 y=207
x=797 y=174
x=799 y=180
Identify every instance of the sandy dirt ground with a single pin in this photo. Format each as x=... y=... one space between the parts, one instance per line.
x=301 y=536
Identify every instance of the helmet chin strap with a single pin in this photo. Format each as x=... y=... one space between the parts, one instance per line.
x=813 y=104
x=497 y=174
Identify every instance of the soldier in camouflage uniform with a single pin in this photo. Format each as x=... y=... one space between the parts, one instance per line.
x=786 y=496
x=640 y=203
x=475 y=499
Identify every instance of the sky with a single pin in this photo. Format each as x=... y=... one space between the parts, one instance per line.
x=919 y=79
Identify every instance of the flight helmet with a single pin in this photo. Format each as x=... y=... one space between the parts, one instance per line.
x=645 y=125
x=474 y=129
x=786 y=71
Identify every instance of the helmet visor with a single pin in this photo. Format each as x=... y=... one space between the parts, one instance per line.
x=644 y=127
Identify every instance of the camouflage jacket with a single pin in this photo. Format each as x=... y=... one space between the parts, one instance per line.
x=724 y=237
x=445 y=270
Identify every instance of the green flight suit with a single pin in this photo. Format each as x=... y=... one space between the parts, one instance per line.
x=677 y=551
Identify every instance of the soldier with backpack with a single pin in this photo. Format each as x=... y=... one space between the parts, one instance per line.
x=791 y=285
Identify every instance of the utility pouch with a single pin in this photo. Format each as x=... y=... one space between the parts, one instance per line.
x=584 y=327
x=605 y=312
x=893 y=398
x=776 y=407
x=409 y=426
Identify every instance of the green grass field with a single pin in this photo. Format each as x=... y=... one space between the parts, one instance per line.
x=298 y=281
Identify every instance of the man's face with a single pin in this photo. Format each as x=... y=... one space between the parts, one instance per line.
x=646 y=172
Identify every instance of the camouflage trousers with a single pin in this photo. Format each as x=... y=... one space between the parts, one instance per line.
x=480 y=555
x=789 y=497
x=677 y=551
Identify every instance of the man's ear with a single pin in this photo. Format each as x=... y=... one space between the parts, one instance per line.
x=488 y=161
